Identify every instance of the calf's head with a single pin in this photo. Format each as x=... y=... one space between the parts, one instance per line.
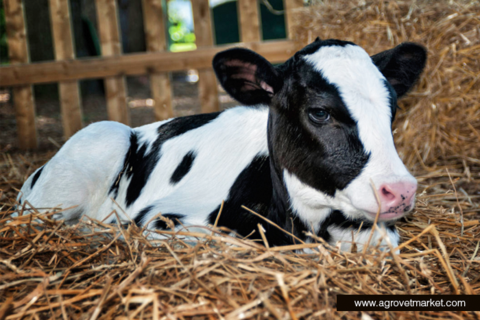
x=331 y=110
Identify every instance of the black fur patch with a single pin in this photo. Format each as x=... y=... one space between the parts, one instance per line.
x=175 y=217
x=116 y=183
x=139 y=217
x=139 y=164
x=36 y=176
x=183 y=168
x=253 y=189
x=325 y=156
x=393 y=99
x=339 y=220
x=314 y=46
x=402 y=65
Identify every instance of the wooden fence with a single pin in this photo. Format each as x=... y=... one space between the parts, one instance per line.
x=113 y=66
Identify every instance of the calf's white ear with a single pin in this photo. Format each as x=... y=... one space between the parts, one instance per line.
x=402 y=65
x=247 y=76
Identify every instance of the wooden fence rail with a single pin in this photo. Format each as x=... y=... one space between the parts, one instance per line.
x=131 y=64
x=113 y=66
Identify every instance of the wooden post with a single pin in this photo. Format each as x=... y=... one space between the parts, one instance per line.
x=63 y=44
x=290 y=6
x=249 y=20
x=156 y=41
x=207 y=81
x=111 y=46
x=22 y=95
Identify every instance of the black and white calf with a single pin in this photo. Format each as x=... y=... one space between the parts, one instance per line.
x=312 y=139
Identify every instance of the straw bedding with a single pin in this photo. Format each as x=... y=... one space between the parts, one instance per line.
x=97 y=271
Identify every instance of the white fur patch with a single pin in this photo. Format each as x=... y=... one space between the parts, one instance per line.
x=345 y=237
x=311 y=205
x=82 y=171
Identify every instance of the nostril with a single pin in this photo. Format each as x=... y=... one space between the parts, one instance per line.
x=387 y=194
x=396 y=198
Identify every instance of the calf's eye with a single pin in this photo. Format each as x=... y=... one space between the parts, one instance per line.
x=318 y=115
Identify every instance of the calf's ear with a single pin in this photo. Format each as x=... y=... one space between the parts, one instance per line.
x=247 y=76
x=402 y=65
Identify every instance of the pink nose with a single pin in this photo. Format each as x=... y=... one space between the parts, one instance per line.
x=397 y=198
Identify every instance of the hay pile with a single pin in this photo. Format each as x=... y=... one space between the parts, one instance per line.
x=97 y=271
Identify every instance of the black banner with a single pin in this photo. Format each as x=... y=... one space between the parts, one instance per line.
x=408 y=303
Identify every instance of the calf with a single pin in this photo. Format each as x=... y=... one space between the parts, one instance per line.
x=311 y=149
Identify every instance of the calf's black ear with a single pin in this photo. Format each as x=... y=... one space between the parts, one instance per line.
x=402 y=65
x=247 y=76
